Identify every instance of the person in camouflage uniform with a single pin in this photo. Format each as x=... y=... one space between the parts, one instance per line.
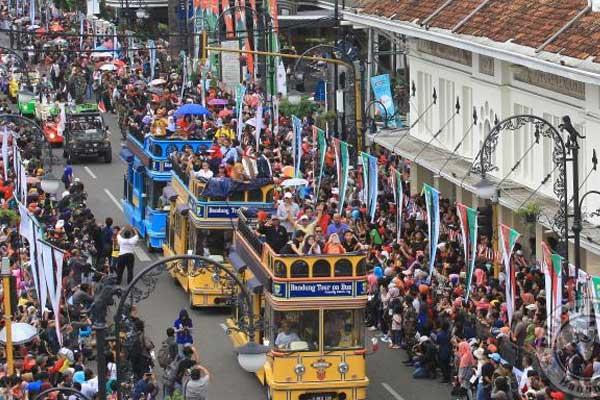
x=409 y=328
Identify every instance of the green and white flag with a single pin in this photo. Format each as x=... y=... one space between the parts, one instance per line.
x=365 y=168
x=508 y=239
x=595 y=296
x=468 y=227
x=322 y=146
x=342 y=162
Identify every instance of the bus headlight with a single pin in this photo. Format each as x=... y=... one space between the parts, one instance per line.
x=343 y=367
x=299 y=369
x=216 y=278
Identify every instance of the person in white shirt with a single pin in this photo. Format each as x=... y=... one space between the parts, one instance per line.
x=204 y=172
x=127 y=239
x=286 y=336
x=89 y=388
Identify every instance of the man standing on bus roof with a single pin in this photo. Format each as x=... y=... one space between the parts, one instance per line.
x=287 y=210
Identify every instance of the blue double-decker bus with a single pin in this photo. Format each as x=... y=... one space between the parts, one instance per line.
x=148 y=172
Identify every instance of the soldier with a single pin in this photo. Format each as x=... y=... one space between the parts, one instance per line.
x=409 y=328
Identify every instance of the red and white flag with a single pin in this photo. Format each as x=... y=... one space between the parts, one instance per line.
x=101 y=106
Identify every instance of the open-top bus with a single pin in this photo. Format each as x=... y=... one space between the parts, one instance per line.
x=148 y=173
x=312 y=309
x=203 y=225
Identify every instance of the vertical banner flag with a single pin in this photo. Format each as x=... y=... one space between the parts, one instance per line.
x=81 y=28
x=152 y=50
x=373 y=186
x=32 y=11
x=382 y=90
x=26 y=231
x=58 y=262
x=240 y=92
x=398 y=199
x=242 y=32
x=297 y=144
x=5 y=152
x=342 y=162
x=365 y=169
x=322 y=145
x=228 y=19
x=255 y=27
x=432 y=202
x=594 y=289
x=468 y=226
x=508 y=238
x=552 y=264
x=259 y=124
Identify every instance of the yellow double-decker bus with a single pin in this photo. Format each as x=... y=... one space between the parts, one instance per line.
x=202 y=225
x=312 y=309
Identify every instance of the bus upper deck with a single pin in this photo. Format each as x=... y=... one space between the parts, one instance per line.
x=312 y=308
x=148 y=173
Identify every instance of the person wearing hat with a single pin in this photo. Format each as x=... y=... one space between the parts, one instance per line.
x=287 y=211
x=276 y=235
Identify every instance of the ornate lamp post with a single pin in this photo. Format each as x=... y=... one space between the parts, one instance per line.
x=560 y=155
x=251 y=356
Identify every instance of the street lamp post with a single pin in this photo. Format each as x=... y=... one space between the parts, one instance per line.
x=66 y=390
x=484 y=163
x=251 y=356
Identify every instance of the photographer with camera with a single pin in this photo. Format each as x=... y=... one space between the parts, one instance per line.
x=127 y=239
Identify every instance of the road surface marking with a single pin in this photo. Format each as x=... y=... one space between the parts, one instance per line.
x=114 y=199
x=392 y=391
x=224 y=327
x=89 y=171
x=141 y=254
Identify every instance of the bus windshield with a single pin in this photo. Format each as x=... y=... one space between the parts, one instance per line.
x=296 y=330
x=343 y=329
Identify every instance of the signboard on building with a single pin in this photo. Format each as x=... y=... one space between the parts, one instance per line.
x=554 y=83
x=449 y=53
x=230 y=64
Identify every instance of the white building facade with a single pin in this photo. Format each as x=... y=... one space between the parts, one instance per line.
x=494 y=81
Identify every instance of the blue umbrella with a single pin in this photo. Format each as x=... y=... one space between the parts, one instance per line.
x=193 y=109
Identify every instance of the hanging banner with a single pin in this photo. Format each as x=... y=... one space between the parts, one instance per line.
x=508 y=238
x=468 y=226
x=322 y=146
x=151 y=46
x=259 y=124
x=382 y=90
x=32 y=11
x=240 y=92
x=228 y=19
x=432 y=203
x=5 y=152
x=364 y=157
x=342 y=162
x=398 y=190
x=552 y=268
x=594 y=289
x=297 y=144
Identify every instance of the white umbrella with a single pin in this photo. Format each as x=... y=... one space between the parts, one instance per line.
x=157 y=82
x=294 y=182
x=108 y=67
x=100 y=54
x=32 y=27
x=21 y=333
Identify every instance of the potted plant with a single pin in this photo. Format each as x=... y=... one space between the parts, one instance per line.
x=529 y=212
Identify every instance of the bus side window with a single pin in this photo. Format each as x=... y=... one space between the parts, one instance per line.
x=236 y=196
x=321 y=268
x=269 y=196
x=280 y=269
x=299 y=269
x=343 y=267
x=255 y=195
x=156 y=150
